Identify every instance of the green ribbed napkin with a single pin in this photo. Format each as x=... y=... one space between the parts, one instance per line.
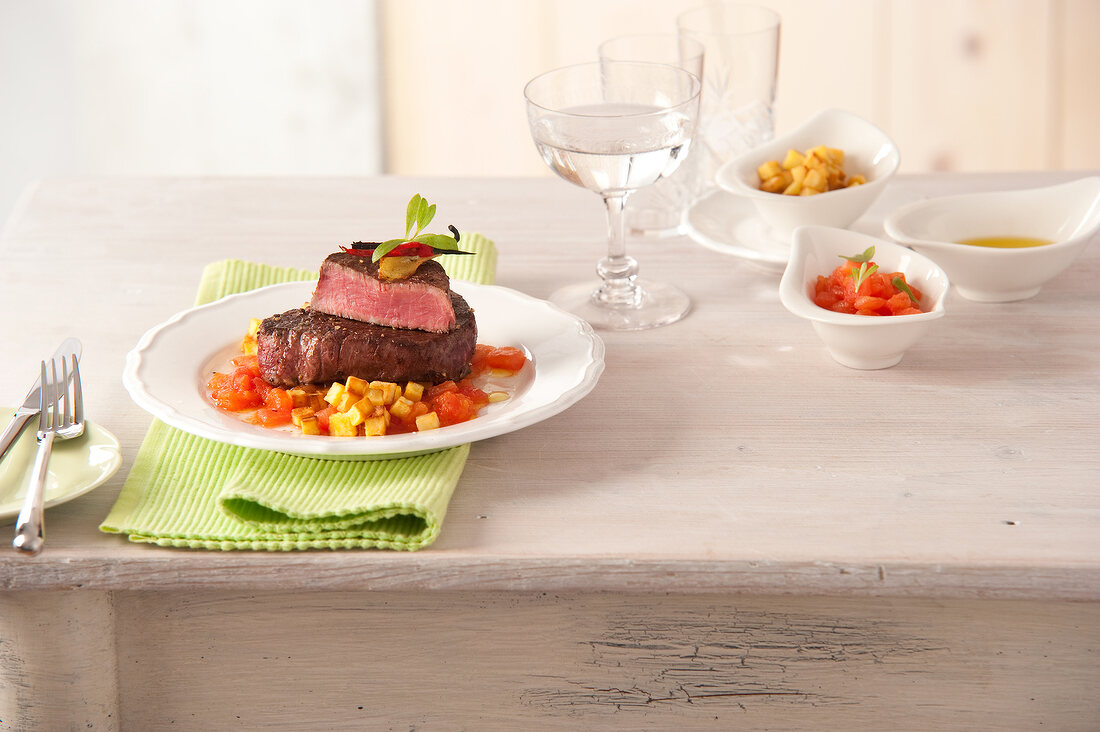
x=186 y=491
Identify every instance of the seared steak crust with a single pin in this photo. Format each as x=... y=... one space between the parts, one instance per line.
x=303 y=346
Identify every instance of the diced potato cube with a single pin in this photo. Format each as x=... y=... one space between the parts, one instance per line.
x=374 y=426
x=429 y=421
x=340 y=425
x=793 y=158
x=334 y=393
x=807 y=191
x=798 y=173
x=254 y=326
x=814 y=161
x=310 y=426
x=856 y=180
x=777 y=183
x=769 y=169
x=816 y=180
x=390 y=390
x=414 y=391
x=498 y=396
x=346 y=401
x=298 y=415
x=356 y=385
x=299 y=397
x=317 y=401
x=359 y=411
x=794 y=189
x=248 y=346
x=402 y=407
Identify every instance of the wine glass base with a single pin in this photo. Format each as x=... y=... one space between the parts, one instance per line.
x=658 y=305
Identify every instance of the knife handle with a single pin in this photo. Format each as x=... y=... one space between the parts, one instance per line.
x=30 y=530
x=11 y=432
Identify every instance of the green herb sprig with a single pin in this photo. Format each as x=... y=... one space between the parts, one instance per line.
x=867 y=256
x=864 y=271
x=418 y=214
x=899 y=283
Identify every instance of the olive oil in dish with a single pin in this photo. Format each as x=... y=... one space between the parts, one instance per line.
x=1006 y=242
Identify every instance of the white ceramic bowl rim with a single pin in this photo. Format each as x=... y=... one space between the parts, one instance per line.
x=900 y=224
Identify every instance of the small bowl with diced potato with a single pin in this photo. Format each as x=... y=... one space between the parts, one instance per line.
x=827 y=172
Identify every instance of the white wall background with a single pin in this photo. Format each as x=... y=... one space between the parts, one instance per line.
x=187 y=87
x=434 y=87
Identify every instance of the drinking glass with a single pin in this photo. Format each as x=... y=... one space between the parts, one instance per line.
x=658 y=210
x=741 y=43
x=614 y=127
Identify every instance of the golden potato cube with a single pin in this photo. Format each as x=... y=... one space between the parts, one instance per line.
x=414 y=391
x=310 y=426
x=300 y=414
x=816 y=180
x=317 y=401
x=375 y=396
x=356 y=385
x=814 y=162
x=807 y=191
x=429 y=421
x=390 y=390
x=794 y=189
x=359 y=411
x=856 y=180
x=777 y=183
x=298 y=397
x=769 y=169
x=402 y=407
x=374 y=426
x=798 y=173
x=248 y=346
x=334 y=393
x=254 y=326
x=346 y=401
x=836 y=155
x=793 y=158
x=340 y=425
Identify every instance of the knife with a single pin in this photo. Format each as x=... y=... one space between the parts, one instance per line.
x=68 y=348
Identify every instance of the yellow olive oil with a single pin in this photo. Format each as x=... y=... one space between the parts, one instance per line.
x=1006 y=242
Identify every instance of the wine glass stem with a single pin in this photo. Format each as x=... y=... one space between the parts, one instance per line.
x=617 y=270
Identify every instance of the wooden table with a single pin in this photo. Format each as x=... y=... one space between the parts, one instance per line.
x=731 y=531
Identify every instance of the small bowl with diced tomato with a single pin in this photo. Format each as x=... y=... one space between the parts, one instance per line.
x=868 y=299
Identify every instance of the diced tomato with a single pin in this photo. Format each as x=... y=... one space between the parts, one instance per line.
x=278 y=399
x=234 y=401
x=248 y=364
x=322 y=416
x=218 y=382
x=877 y=294
x=453 y=408
x=867 y=302
x=267 y=417
x=434 y=391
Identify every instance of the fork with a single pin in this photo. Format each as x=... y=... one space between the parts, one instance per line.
x=52 y=423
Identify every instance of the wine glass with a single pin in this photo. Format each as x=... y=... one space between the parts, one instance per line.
x=613 y=127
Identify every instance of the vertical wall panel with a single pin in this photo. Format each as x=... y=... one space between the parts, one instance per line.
x=970 y=84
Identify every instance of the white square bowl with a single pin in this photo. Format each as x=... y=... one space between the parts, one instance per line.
x=868 y=151
x=1068 y=215
x=860 y=341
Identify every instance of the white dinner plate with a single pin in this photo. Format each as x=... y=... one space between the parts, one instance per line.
x=166 y=373
x=728 y=224
x=76 y=466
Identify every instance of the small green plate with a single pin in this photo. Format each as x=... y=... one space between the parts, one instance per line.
x=76 y=466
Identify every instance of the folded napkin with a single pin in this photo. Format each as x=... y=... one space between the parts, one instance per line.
x=187 y=491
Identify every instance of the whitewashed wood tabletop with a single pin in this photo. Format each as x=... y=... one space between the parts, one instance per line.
x=726 y=452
